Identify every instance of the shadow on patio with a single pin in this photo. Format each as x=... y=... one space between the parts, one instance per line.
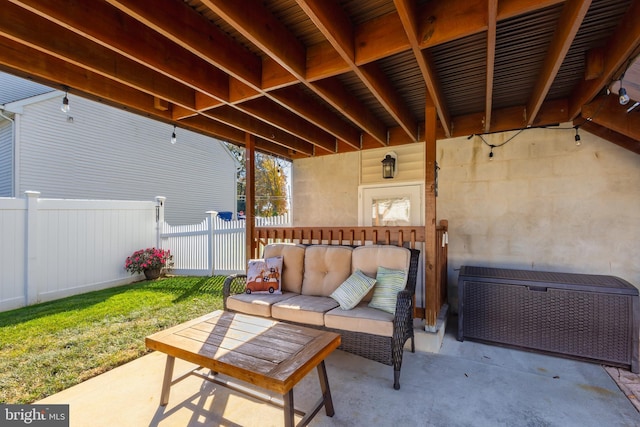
x=466 y=384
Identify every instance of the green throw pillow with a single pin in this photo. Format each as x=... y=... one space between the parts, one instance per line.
x=352 y=290
x=388 y=284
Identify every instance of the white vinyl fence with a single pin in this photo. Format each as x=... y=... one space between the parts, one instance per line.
x=52 y=248
x=213 y=247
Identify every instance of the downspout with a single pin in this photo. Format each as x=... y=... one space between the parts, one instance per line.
x=13 y=150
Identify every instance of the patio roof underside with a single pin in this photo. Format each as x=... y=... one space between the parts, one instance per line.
x=316 y=77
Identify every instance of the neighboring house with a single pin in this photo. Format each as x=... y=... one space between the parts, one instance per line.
x=96 y=151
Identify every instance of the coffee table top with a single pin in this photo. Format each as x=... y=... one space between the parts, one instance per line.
x=261 y=351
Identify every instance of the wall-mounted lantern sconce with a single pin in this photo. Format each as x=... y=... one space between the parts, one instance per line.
x=389 y=165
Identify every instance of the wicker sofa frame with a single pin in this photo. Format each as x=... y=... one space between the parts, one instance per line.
x=386 y=350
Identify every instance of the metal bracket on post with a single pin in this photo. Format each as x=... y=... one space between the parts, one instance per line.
x=212 y=230
x=159 y=219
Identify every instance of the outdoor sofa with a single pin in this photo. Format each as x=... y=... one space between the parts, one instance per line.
x=311 y=284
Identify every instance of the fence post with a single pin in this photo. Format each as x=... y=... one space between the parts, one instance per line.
x=31 y=251
x=211 y=241
x=159 y=219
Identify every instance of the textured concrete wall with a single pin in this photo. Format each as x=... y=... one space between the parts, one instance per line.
x=542 y=203
x=325 y=190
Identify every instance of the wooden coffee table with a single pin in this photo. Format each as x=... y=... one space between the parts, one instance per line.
x=266 y=353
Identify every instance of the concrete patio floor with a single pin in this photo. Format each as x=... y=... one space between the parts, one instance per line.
x=466 y=384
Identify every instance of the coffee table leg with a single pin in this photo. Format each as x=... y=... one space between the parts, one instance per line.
x=289 y=412
x=166 y=382
x=326 y=391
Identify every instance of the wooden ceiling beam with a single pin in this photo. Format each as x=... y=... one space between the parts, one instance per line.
x=620 y=47
x=294 y=98
x=113 y=29
x=610 y=135
x=261 y=28
x=184 y=26
x=17 y=24
x=99 y=22
x=407 y=13
x=335 y=25
x=335 y=93
x=255 y=22
x=510 y=118
x=437 y=23
x=47 y=69
x=511 y=8
x=569 y=22
x=249 y=124
x=277 y=116
x=50 y=70
x=607 y=111
x=492 y=21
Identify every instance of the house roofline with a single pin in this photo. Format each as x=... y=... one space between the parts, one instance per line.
x=17 y=107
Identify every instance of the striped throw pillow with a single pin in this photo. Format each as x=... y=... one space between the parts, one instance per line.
x=388 y=284
x=352 y=290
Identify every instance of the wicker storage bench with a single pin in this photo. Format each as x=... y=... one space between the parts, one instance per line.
x=588 y=317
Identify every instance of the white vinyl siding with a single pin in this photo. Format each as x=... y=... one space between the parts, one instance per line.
x=108 y=153
x=409 y=164
x=6 y=158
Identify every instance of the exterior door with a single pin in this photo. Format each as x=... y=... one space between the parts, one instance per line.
x=391 y=205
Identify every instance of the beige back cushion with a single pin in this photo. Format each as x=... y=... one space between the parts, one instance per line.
x=325 y=268
x=292 y=265
x=368 y=258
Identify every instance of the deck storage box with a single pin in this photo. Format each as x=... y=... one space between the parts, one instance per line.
x=583 y=316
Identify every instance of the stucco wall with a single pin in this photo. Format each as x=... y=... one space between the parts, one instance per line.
x=542 y=203
x=325 y=190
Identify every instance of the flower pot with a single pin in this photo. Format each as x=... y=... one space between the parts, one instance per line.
x=152 y=273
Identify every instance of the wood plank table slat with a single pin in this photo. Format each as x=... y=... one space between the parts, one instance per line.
x=260 y=351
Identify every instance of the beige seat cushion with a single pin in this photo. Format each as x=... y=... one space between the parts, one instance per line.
x=303 y=309
x=292 y=266
x=325 y=268
x=360 y=319
x=368 y=258
x=256 y=304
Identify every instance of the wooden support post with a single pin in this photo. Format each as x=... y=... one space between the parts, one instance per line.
x=250 y=195
x=432 y=299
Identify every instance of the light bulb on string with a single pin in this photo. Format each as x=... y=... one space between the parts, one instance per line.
x=577 y=137
x=173 y=136
x=65 y=104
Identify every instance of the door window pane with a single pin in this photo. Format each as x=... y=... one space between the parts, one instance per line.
x=391 y=211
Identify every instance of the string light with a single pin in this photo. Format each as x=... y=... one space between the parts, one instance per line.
x=65 y=102
x=492 y=146
x=173 y=136
x=577 y=137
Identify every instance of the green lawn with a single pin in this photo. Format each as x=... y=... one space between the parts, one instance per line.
x=48 y=347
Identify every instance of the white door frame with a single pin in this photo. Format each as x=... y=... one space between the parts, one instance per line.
x=414 y=189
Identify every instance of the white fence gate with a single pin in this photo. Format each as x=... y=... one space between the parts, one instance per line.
x=213 y=247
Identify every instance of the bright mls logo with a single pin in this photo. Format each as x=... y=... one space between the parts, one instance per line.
x=34 y=415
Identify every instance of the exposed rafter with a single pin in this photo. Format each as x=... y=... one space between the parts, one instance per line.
x=311 y=77
x=570 y=20
x=407 y=13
